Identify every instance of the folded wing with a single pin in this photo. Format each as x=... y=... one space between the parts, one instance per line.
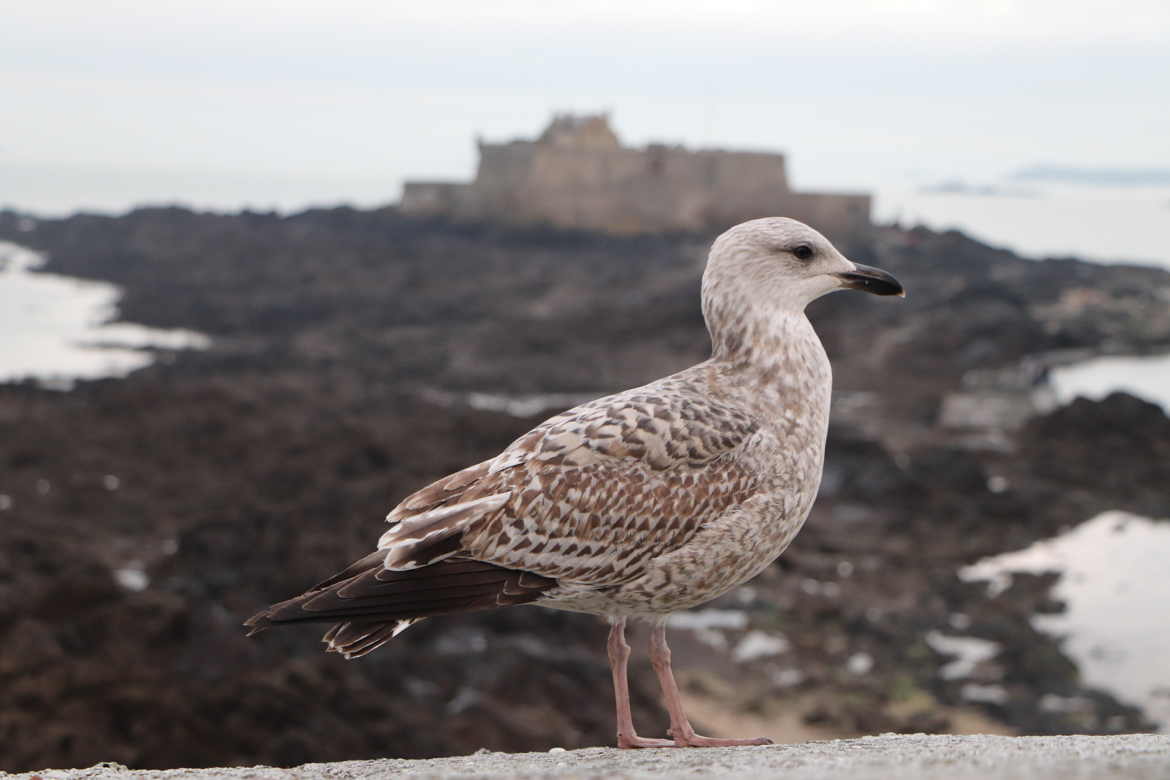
x=587 y=497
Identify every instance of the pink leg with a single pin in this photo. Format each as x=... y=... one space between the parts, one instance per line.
x=619 y=656
x=680 y=727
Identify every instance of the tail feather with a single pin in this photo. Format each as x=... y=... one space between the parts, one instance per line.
x=353 y=640
x=374 y=604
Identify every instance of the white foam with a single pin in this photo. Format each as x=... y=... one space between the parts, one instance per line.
x=710 y=618
x=969 y=652
x=757 y=644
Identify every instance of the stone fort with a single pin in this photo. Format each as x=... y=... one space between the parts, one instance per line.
x=578 y=174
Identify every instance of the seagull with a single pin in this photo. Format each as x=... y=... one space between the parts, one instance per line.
x=635 y=505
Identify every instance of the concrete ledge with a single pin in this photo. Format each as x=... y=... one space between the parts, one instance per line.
x=910 y=757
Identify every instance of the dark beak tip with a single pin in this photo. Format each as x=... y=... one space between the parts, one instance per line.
x=873 y=280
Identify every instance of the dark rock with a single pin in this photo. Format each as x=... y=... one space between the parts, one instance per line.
x=250 y=471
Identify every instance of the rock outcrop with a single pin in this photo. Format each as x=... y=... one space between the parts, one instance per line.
x=146 y=517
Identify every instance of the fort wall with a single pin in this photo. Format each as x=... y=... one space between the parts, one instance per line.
x=578 y=175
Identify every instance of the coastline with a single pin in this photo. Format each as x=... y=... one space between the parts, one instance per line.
x=238 y=470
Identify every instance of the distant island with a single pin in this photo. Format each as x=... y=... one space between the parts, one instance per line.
x=962 y=187
x=1098 y=177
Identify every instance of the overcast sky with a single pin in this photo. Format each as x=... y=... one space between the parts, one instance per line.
x=857 y=92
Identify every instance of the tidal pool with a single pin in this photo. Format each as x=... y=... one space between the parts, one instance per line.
x=1115 y=584
x=1147 y=377
x=57 y=329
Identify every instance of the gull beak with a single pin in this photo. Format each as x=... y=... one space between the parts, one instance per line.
x=871 y=280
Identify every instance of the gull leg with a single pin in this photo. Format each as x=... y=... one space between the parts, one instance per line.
x=680 y=727
x=619 y=656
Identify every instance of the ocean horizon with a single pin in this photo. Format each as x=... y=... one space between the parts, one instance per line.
x=1101 y=223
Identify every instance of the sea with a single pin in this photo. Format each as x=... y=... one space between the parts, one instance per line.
x=56 y=330
x=1104 y=224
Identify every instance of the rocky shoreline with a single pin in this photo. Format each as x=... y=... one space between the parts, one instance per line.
x=147 y=516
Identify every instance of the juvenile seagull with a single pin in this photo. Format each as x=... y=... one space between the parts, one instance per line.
x=635 y=505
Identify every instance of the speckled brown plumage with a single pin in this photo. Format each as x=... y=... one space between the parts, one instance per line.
x=637 y=504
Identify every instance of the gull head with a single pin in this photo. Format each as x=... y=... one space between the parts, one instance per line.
x=778 y=263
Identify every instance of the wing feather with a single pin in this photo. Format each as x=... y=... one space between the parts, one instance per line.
x=599 y=490
x=431 y=536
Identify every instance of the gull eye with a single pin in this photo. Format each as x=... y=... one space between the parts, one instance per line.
x=802 y=251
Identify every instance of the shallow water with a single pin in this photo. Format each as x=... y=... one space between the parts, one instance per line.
x=1115 y=584
x=1145 y=377
x=57 y=329
x=1103 y=224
